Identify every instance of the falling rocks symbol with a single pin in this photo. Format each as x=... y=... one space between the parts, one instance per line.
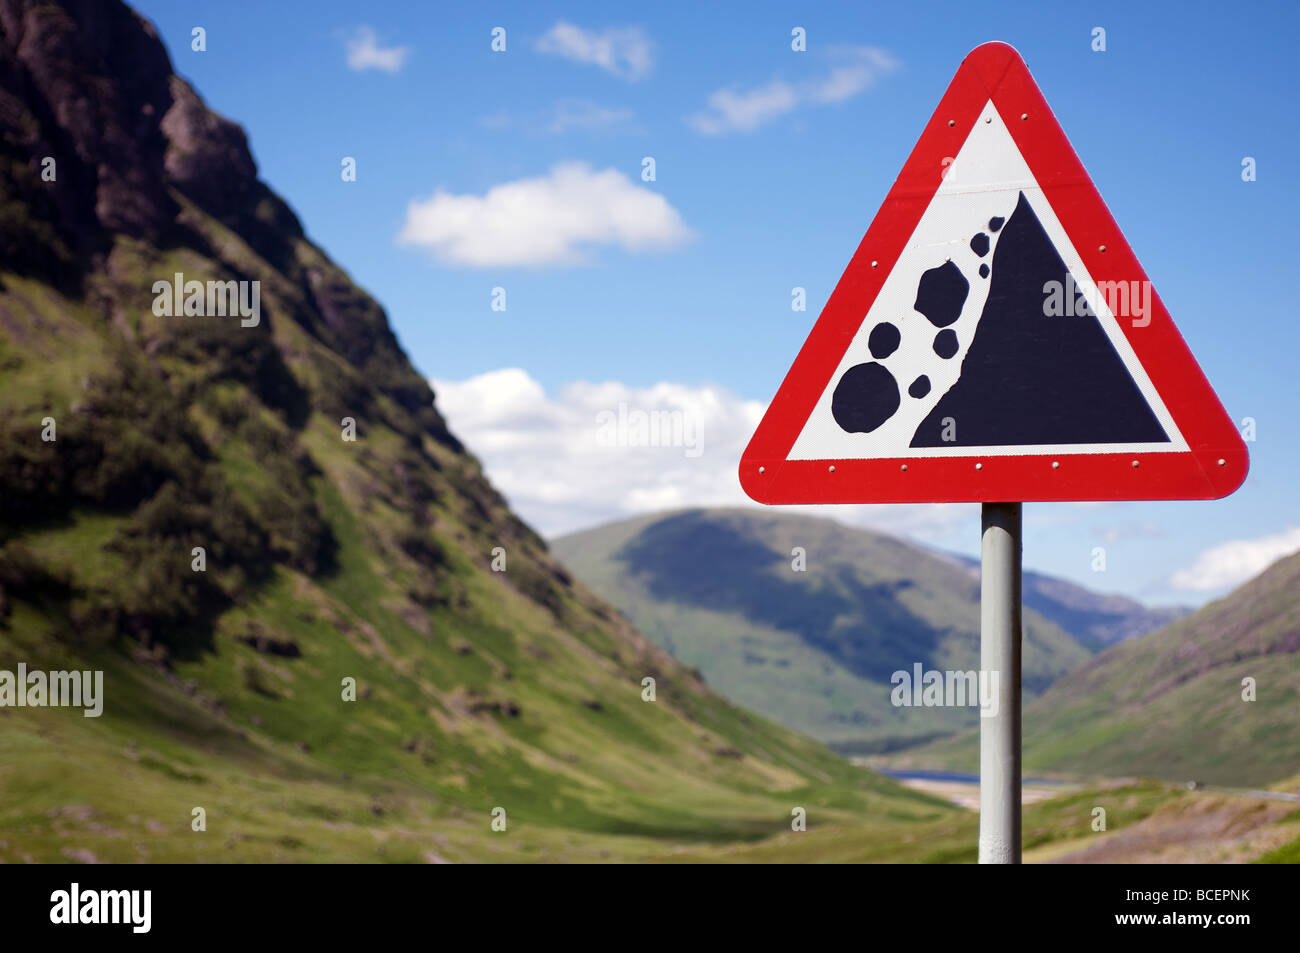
x=1030 y=379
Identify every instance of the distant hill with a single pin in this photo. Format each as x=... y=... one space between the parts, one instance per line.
x=815 y=650
x=1095 y=619
x=1169 y=704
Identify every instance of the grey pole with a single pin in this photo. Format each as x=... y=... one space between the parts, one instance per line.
x=1000 y=549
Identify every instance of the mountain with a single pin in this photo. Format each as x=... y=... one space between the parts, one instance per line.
x=1171 y=704
x=813 y=649
x=1097 y=620
x=239 y=503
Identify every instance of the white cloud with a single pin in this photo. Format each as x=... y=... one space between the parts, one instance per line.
x=364 y=52
x=550 y=219
x=563 y=116
x=583 y=456
x=1233 y=562
x=858 y=69
x=626 y=52
x=731 y=110
x=583 y=114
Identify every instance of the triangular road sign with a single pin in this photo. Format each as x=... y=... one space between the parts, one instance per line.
x=994 y=338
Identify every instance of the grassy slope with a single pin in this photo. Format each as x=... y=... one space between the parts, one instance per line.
x=811 y=650
x=1146 y=822
x=1053 y=831
x=287 y=770
x=1170 y=703
x=1288 y=852
x=477 y=689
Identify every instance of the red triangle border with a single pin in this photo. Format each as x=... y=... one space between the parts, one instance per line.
x=1217 y=461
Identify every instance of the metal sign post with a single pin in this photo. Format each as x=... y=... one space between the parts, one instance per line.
x=943 y=370
x=1000 y=551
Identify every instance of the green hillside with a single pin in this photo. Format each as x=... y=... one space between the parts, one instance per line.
x=1170 y=703
x=813 y=649
x=1096 y=620
x=327 y=559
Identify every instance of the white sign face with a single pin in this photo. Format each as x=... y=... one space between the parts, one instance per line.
x=990 y=336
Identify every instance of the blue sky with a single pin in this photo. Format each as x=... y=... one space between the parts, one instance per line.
x=684 y=301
